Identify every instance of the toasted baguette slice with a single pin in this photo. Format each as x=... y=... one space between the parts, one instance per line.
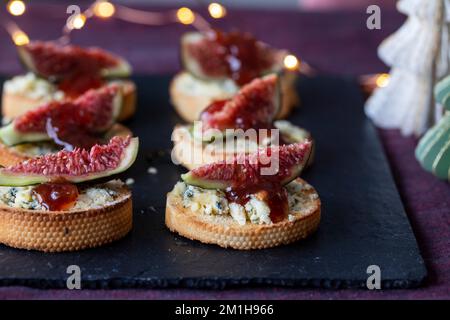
x=226 y=232
x=191 y=153
x=57 y=231
x=12 y=155
x=190 y=95
x=16 y=104
x=129 y=100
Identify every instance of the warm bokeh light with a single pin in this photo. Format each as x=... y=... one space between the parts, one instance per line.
x=20 y=38
x=382 y=80
x=185 y=15
x=77 y=22
x=104 y=9
x=16 y=8
x=291 y=62
x=216 y=10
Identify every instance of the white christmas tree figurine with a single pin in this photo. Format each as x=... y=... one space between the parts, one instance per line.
x=419 y=55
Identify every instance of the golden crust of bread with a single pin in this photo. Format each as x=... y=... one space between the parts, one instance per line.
x=10 y=156
x=189 y=106
x=129 y=100
x=187 y=152
x=14 y=105
x=227 y=233
x=290 y=97
x=57 y=231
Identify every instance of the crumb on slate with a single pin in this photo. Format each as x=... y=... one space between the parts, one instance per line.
x=152 y=170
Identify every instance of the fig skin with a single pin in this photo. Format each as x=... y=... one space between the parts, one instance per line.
x=59 y=62
x=88 y=114
x=255 y=106
x=74 y=166
x=246 y=170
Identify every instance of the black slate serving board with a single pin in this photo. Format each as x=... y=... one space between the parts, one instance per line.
x=363 y=222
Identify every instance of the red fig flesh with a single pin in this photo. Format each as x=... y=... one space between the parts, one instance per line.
x=74 y=166
x=254 y=106
x=246 y=171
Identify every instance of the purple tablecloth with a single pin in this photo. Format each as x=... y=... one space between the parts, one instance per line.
x=331 y=42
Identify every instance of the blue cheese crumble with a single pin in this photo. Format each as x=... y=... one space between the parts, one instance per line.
x=255 y=211
x=36 y=148
x=204 y=200
x=20 y=197
x=33 y=87
x=88 y=198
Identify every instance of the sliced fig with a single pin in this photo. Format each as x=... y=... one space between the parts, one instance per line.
x=254 y=106
x=53 y=61
x=245 y=171
x=216 y=55
x=93 y=112
x=74 y=166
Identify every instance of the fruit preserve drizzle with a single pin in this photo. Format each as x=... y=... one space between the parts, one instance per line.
x=237 y=54
x=72 y=136
x=56 y=196
x=273 y=194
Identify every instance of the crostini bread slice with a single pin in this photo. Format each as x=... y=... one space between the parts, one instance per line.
x=57 y=231
x=12 y=155
x=129 y=100
x=16 y=104
x=192 y=154
x=190 y=95
x=226 y=232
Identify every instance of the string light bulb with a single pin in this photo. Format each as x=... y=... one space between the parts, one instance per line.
x=291 y=62
x=20 y=38
x=104 y=9
x=77 y=22
x=16 y=7
x=185 y=15
x=382 y=80
x=217 y=10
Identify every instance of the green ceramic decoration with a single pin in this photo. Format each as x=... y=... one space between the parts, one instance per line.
x=433 y=150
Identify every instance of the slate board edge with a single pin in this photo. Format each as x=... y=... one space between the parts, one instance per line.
x=208 y=283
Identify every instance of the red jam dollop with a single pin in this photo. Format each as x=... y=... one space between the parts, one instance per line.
x=56 y=196
x=273 y=194
x=238 y=55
